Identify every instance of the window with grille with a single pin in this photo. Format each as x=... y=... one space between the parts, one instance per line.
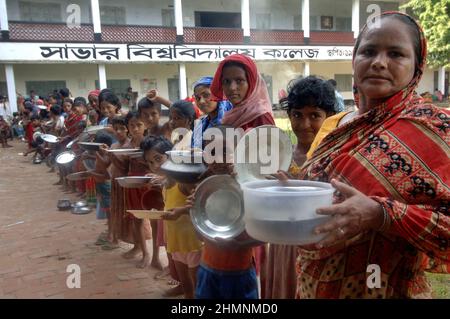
x=343 y=24
x=263 y=21
x=344 y=82
x=3 y=89
x=40 y=12
x=168 y=18
x=112 y=15
x=298 y=22
x=119 y=87
x=313 y=23
x=44 y=88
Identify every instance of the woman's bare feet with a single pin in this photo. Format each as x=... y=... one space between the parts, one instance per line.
x=131 y=253
x=174 y=291
x=144 y=263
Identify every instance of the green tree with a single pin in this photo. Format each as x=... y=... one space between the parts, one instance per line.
x=434 y=16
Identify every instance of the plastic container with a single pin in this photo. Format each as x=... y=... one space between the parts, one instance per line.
x=285 y=214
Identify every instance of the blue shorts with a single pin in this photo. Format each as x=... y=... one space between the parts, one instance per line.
x=216 y=284
x=103 y=191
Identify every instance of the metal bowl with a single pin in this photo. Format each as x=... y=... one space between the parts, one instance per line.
x=81 y=210
x=94 y=129
x=184 y=166
x=183 y=173
x=218 y=210
x=49 y=138
x=79 y=204
x=126 y=151
x=269 y=141
x=64 y=204
x=65 y=158
x=90 y=146
x=133 y=181
x=70 y=144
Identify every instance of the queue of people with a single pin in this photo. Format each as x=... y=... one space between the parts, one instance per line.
x=388 y=160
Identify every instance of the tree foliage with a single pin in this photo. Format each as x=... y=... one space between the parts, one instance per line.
x=434 y=16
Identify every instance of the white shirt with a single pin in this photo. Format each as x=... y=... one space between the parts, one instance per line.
x=4 y=110
x=60 y=123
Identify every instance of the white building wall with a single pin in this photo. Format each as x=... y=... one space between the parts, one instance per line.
x=141 y=12
x=14 y=12
x=195 y=71
x=426 y=82
x=137 y=12
x=282 y=12
x=336 y=8
x=282 y=73
x=137 y=72
x=190 y=6
x=80 y=78
x=327 y=70
x=148 y=12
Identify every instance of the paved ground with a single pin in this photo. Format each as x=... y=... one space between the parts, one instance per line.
x=38 y=242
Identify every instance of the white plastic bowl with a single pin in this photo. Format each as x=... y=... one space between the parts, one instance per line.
x=280 y=214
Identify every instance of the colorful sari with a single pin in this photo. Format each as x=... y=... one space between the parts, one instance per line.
x=397 y=154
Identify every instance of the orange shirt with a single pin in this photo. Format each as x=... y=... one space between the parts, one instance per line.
x=226 y=259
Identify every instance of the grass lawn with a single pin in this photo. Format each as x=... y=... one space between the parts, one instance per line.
x=440 y=284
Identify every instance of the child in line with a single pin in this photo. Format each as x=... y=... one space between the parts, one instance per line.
x=117 y=199
x=102 y=185
x=133 y=196
x=92 y=118
x=228 y=271
x=56 y=129
x=213 y=109
x=93 y=104
x=182 y=241
x=110 y=107
x=150 y=111
x=91 y=197
x=66 y=105
x=79 y=108
x=181 y=121
x=58 y=120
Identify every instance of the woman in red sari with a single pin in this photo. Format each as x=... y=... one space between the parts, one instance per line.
x=391 y=166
